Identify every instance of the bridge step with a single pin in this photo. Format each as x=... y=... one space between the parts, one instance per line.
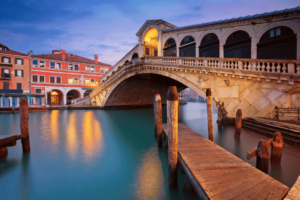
x=217 y=174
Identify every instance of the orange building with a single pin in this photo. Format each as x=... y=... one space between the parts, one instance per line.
x=61 y=77
x=15 y=76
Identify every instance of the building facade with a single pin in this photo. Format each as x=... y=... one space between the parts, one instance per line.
x=62 y=76
x=15 y=76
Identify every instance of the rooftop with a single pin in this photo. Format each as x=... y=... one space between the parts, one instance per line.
x=276 y=12
x=6 y=50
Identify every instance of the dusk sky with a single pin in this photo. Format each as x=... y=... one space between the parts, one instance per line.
x=108 y=27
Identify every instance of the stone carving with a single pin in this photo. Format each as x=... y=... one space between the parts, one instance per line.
x=227 y=82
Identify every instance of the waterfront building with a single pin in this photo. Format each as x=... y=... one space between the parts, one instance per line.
x=15 y=76
x=62 y=77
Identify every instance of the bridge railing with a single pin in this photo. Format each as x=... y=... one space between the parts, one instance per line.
x=258 y=65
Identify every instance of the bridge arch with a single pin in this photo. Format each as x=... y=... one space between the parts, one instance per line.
x=170 y=47
x=187 y=46
x=209 y=46
x=238 y=45
x=150 y=42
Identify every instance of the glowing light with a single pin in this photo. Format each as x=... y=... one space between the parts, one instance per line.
x=72 y=141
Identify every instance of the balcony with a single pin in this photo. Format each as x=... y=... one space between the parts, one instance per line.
x=8 y=91
x=5 y=77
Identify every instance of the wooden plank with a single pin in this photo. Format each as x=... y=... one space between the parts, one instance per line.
x=217 y=174
x=8 y=139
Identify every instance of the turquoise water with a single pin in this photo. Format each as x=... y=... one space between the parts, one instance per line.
x=109 y=154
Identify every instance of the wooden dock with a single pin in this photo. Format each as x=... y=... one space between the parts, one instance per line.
x=217 y=174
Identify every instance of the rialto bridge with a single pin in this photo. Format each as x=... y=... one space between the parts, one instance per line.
x=250 y=63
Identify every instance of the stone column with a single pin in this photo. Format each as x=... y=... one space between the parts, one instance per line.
x=221 y=48
x=253 y=48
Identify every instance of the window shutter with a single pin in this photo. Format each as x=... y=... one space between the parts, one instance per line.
x=15 y=60
x=2 y=74
x=2 y=58
x=16 y=72
x=22 y=73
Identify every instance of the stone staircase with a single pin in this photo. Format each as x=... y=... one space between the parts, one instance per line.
x=81 y=101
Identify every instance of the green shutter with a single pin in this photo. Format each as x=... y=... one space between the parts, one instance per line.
x=22 y=73
x=15 y=60
x=16 y=72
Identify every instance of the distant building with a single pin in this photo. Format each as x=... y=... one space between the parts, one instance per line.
x=15 y=78
x=63 y=76
x=190 y=95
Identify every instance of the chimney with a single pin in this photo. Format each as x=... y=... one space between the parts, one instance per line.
x=96 y=59
x=63 y=53
x=30 y=53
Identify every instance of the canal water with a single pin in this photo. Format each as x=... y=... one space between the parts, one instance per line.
x=110 y=154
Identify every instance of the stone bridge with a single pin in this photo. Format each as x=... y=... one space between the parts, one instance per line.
x=253 y=85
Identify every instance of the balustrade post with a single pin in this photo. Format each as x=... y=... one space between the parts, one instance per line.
x=291 y=68
x=179 y=61
x=172 y=115
x=205 y=63
x=240 y=65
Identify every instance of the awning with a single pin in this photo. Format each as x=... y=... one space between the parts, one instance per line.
x=23 y=95
x=88 y=88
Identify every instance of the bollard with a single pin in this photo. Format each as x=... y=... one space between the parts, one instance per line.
x=238 y=124
x=220 y=117
x=209 y=115
x=262 y=156
x=276 y=148
x=158 y=119
x=3 y=152
x=24 y=124
x=172 y=115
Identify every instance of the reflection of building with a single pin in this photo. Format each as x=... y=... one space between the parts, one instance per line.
x=190 y=95
x=14 y=76
x=64 y=76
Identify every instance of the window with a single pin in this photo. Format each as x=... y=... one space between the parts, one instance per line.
x=70 y=66
x=76 y=81
x=57 y=79
x=52 y=79
x=1 y=48
x=19 y=61
x=6 y=59
x=278 y=31
x=76 y=67
x=155 y=52
x=147 y=51
x=102 y=71
x=18 y=73
x=70 y=80
x=92 y=69
x=38 y=90
x=92 y=81
x=6 y=85
x=42 y=63
x=87 y=81
x=52 y=65
x=271 y=33
x=34 y=63
x=87 y=68
x=58 y=66
x=34 y=78
x=19 y=86
x=5 y=73
x=42 y=79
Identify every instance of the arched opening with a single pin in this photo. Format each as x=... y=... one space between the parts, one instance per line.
x=119 y=67
x=238 y=45
x=150 y=43
x=127 y=61
x=209 y=46
x=135 y=58
x=55 y=97
x=278 y=43
x=87 y=93
x=170 y=48
x=187 y=47
x=72 y=94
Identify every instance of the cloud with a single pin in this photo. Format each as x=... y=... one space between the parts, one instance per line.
x=104 y=46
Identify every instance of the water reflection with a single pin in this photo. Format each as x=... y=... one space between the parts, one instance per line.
x=72 y=140
x=92 y=136
x=54 y=127
x=149 y=183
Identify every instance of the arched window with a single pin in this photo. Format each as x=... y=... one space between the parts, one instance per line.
x=238 y=45
x=119 y=67
x=278 y=43
x=170 y=48
x=209 y=46
x=187 y=47
x=135 y=56
x=126 y=61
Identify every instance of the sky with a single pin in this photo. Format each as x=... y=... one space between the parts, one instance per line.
x=108 y=27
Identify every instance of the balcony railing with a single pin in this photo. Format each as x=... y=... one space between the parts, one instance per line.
x=256 y=65
x=5 y=76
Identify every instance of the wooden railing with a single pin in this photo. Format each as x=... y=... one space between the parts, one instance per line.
x=287 y=113
x=257 y=65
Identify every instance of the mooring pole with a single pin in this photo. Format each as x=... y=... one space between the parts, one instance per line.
x=158 y=119
x=238 y=124
x=209 y=115
x=262 y=156
x=172 y=115
x=276 y=148
x=24 y=116
x=220 y=111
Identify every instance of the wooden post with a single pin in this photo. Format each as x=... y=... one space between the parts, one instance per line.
x=276 y=148
x=238 y=124
x=262 y=156
x=24 y=124
x=220 y=117
x=158 y=119
x=209 y=115
x=13 y=109
x=3 y=152
x=172 y=115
